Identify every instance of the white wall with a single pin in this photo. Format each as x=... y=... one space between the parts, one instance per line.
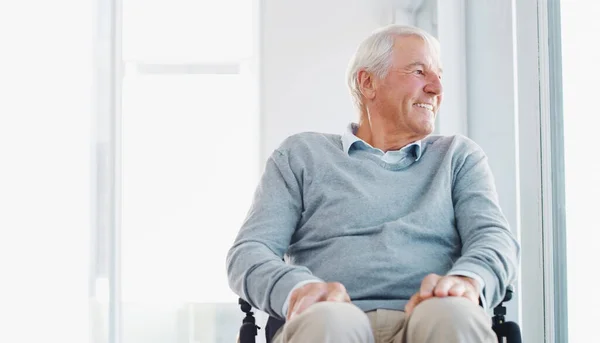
x=451 y=26
x=305 y=49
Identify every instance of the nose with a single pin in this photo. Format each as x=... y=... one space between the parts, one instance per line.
x=434 y=85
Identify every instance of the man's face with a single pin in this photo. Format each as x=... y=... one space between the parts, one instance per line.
x=411 y=93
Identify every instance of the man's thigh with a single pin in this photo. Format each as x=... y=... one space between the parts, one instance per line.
x=450 y=320
x=447 y=319
x=327 y=322
x=385 y=325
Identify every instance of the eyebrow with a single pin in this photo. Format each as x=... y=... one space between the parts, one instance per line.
x=421 y=64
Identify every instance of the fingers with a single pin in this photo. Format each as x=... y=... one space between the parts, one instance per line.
x=428 y=285
x=415 y=300
x=337 y=292
x=312 y=293
x=434 y=285
x=448 y=285
x=458 y=286
x=302 y=304
x=305 y=296
x=457 y=289
x=445 y=284
x=472 y=282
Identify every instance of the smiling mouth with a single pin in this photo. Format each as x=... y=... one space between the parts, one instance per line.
x=425 y=106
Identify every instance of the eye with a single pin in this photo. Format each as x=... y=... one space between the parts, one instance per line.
x=419 y=72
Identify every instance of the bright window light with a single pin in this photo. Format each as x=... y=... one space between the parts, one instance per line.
x=580 y=27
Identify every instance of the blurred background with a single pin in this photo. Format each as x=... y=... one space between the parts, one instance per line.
x=133 y=134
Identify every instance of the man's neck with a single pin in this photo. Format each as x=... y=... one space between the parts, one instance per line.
x=382 y=135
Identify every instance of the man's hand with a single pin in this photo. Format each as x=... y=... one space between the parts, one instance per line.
x=434 y=285
x=312 y=293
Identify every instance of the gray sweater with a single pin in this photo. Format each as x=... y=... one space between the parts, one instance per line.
x=378 y=228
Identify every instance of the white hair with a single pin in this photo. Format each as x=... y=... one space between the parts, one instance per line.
x=374 y=54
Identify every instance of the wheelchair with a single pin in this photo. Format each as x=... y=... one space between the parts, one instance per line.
x=502 y=328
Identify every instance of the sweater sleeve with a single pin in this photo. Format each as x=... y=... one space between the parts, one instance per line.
x=489 y=249
x=255 y=269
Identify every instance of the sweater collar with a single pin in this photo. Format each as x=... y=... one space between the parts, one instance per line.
x=349 y=139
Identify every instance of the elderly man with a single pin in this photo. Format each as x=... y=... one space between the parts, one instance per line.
x=389 y=234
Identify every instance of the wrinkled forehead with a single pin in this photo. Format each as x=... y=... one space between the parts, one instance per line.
x=413 y=48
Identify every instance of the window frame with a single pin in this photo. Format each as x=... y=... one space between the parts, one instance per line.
x=110 y=69
x=553 y=172
x=543 y=275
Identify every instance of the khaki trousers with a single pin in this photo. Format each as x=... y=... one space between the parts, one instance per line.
x=443 y=320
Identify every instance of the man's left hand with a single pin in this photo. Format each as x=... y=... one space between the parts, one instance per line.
x=434 y=285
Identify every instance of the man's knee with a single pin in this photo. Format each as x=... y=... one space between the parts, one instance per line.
x=331 y=321
x=337 y=316
x=455 y=317
x=457 y=310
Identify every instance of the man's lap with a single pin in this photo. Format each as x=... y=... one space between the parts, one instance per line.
x=384 y=325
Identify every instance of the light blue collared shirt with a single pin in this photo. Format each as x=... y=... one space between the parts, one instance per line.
x=350 y=141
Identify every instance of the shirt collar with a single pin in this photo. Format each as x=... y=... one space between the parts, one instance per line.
x=349 y=138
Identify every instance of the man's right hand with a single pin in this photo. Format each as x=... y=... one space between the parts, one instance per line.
x=313 y=293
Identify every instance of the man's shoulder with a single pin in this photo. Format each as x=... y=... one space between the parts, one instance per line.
x=455 y=144
x=309 y=141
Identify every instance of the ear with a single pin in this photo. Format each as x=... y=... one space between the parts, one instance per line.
x=366 y=84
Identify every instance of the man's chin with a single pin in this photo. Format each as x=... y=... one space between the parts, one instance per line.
x=427 y=129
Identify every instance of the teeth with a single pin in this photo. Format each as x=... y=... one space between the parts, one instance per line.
x=427 y=106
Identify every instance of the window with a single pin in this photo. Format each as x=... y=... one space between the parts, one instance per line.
x=579 y=28
x=45 y=193
x=187 y=169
